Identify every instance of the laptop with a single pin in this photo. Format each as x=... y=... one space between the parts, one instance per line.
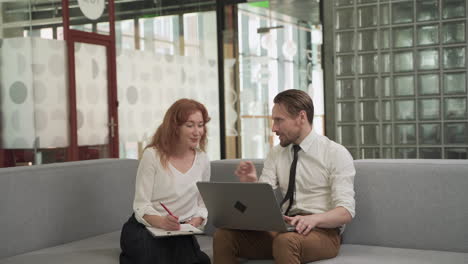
x=245 y=206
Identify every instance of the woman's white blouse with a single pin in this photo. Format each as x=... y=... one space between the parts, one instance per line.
x=176 y=190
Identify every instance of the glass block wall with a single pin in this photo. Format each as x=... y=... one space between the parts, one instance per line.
x=400 y=78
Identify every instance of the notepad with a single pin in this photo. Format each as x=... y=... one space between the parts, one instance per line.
x=185 y=229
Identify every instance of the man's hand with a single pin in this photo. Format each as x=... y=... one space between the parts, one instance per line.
x=167 y=222
x=246 y=172
x=196 y=221
x=304 y=223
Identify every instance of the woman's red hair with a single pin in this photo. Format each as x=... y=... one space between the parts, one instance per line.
x=167 y=134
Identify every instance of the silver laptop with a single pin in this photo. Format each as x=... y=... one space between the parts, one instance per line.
x=245 y=206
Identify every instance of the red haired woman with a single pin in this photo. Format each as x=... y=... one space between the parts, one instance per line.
x=171 y=165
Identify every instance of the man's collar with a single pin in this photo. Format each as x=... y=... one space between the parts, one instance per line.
x=308 y=140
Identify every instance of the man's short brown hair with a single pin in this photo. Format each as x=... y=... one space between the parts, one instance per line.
x=295 y=101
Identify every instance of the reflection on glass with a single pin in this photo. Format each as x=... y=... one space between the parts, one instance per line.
x=345 y=65
x=430 y=153
x=384 y=15
x=345 y=41
x=403 y=61
x=385 y=38
x=453 y=32
x=402 y=37
x=427 y=10
x=429 y=59
x=456 y=133
x=344 y=18
x=456 y=153
x=345 y=88
x=405 y=153
x=403 y=85
x=366 y=16
x=429 y=134
x=343 y=2
x=428 y=35
x=454 y=57
x=453 y=8
x=428 y=84
x=387 y=110
x=366 y=1
x=429 y=109
x=387 y=134
x=370 y=135
x=387 y=153
x=405 y=134
x=386 y=86
x=404 y=110
x=455 y=108
x=402 y=12
x=346 y=135
x=346 y=112
x=454 y=83
x=368 y=40
x=369 y=87
x=385 y=62
x=370 y=153
x=368 y=63
x=369 y=111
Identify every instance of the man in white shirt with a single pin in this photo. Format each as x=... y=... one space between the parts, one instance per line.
x=315 y=176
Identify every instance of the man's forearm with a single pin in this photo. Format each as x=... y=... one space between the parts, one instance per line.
x=333 y=218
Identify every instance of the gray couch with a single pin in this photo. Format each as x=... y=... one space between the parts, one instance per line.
x=408 y=211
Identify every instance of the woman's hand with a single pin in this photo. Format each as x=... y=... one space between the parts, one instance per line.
x=196 y=221
x=167 y=222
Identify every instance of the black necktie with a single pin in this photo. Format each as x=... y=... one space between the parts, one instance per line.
x=292 y=180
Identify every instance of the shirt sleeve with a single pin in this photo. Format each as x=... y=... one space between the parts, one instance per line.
x=269 y=169
x=144 y=184
x=342 y=179
x=206 y=174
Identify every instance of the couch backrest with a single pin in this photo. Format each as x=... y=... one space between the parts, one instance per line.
x=47 y=205
x=417 y=204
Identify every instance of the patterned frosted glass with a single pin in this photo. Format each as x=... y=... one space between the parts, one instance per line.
x=402 y=37
x=346 y=112
x=456 y=153
x=403 y=61
x=369 y=111
x=387 y=153
x=402 y=12
x=453 y=32
x=428 y=35
x=427 y=10
x=385 y=63
x=368 y=40
x=385 y=38
x=404 y=110
x=405 y=134
x=345 y=88
x=343 y=2
x=454 y=58
x=369 y=87
x=403 y=85
x=370 y=135
x=454 y=83
x=430 y=153
x=386 y=87
x=384 y=14
x=370 y=153
x=387 y=134
x=387 y=110
x=366 y=16
x=345 y=41
x=346 y=135
x=453 y=8
x=368 y=63
x=428 y=59
x=430 y=134
x=428 y=84
x=344 y=18
x=366 y=1
x=456 y=133
x=345 y=65
x=455 y=108
x=405 y=153
x=429 y=109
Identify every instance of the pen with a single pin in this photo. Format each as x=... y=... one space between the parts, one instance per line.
x=167 y=210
